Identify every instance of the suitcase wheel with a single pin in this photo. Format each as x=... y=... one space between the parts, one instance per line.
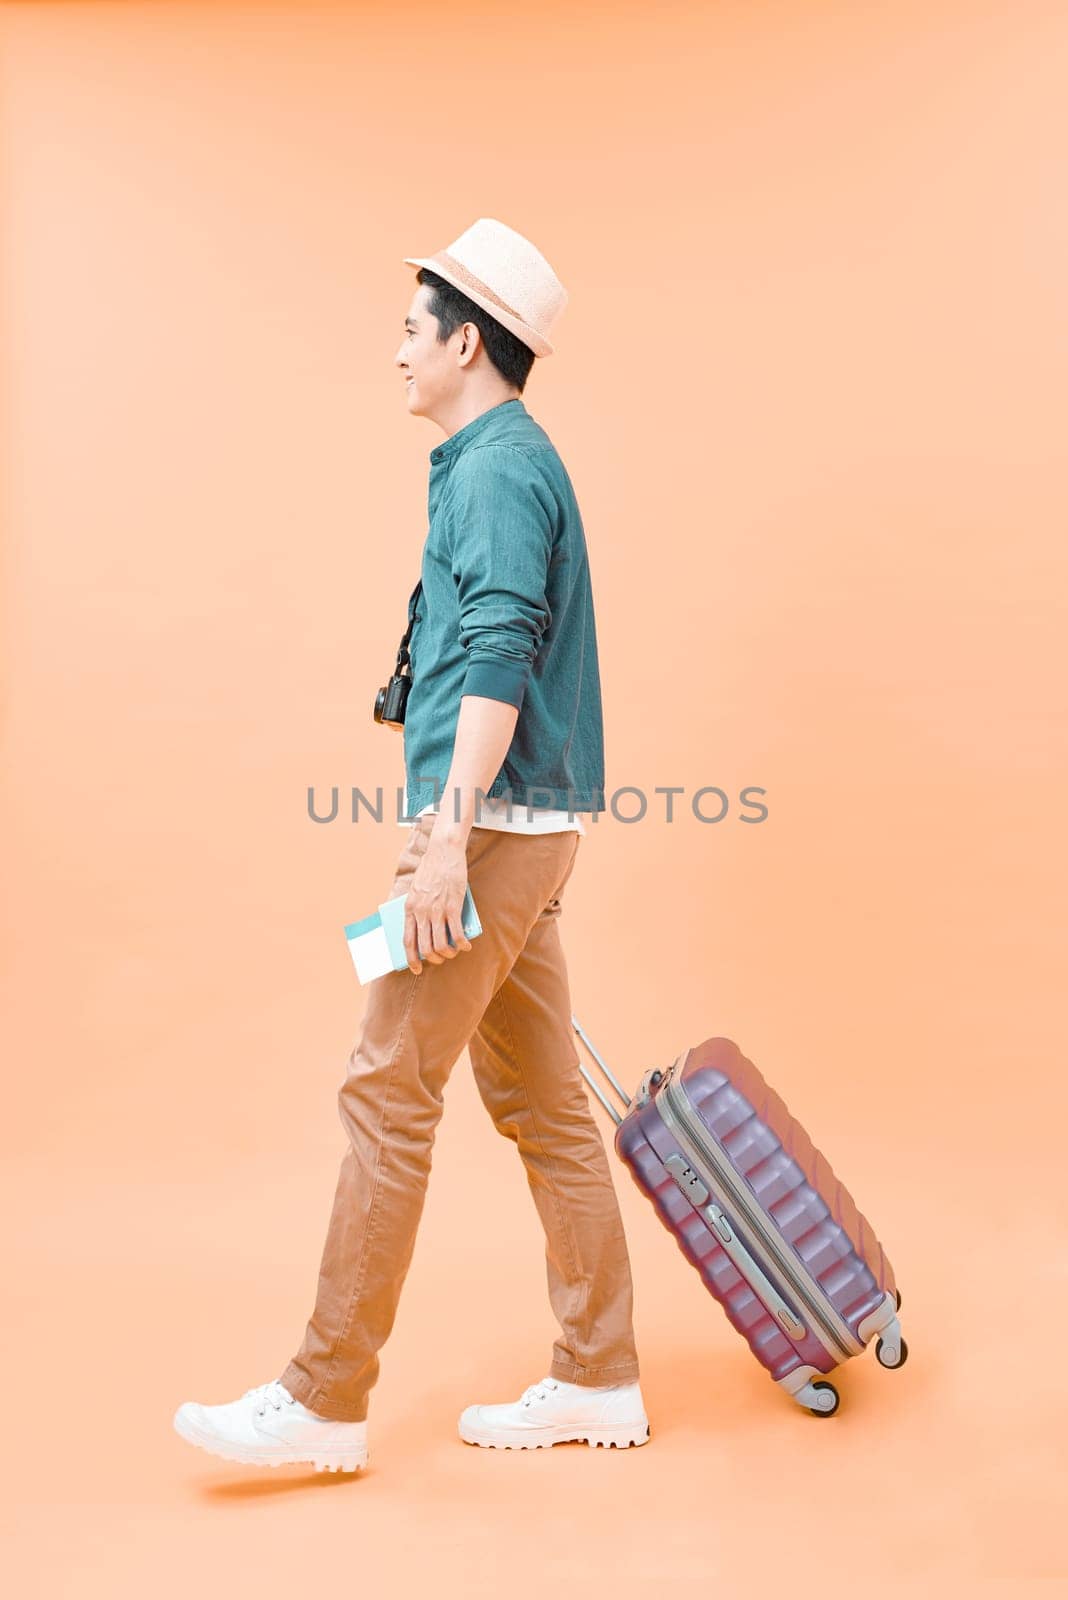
x=892 y=1355
x=826 y=1401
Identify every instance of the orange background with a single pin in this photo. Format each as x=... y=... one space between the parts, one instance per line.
x=810 y=388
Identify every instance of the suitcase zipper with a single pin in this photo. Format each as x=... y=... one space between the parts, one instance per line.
x=758 y=1280
x=710 y=1165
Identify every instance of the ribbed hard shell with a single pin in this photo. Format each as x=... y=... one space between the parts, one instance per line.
x=724 y=1056
x=790 y=1179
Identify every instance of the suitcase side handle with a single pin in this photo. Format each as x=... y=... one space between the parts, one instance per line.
x=616 y=1116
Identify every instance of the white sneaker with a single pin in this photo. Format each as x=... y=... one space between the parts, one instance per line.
x=553 y=1412
x=267 y=1427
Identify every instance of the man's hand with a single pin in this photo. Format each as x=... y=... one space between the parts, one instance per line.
x=435 y=898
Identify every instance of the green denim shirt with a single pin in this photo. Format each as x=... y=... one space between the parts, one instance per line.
x=506 y=611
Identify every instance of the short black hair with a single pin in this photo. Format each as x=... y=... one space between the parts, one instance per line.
x=451 y=308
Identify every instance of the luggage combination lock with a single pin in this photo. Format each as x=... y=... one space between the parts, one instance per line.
x=687 y=1180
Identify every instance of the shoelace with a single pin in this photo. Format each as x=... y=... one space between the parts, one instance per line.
x=537 y=1390
x=270 y=1394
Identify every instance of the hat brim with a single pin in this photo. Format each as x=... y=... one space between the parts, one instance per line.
x=523 y=332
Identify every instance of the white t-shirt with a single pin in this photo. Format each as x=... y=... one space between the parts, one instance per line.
x=493 y=813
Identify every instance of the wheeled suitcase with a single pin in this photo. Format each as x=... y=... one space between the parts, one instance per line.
x=755 y=1207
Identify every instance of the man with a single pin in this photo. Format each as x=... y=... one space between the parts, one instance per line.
x=504 y=703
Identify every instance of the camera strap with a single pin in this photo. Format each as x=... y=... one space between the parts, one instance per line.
x=403 y=658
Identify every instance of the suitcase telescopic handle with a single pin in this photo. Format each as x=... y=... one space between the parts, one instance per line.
x=616 y=1116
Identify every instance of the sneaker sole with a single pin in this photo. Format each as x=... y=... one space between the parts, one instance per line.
x=329 y=1458
x=544 y=1438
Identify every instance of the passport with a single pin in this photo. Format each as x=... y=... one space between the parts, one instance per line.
x=376 y=943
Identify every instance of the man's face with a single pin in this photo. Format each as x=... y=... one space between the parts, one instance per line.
x=432 y=375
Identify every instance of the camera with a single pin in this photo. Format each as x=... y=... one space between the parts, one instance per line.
x=392 y=699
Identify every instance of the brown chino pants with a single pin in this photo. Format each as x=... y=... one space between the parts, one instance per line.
x=507 y=1001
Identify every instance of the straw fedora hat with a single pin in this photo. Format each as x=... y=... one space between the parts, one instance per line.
x=504 y=274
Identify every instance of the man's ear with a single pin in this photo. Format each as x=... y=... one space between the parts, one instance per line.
x=470 y=344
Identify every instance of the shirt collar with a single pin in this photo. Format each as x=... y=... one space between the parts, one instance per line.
x=471 y=430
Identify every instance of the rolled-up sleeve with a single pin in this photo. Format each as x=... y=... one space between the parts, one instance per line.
x=502 y=522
